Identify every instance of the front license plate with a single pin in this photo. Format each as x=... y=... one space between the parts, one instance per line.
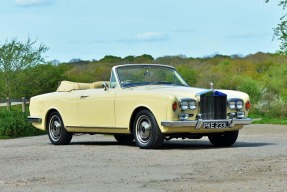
x=215 y=125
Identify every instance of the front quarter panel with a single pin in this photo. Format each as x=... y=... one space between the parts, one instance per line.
x=36 y=109
x=128 y=101
x=63 y=102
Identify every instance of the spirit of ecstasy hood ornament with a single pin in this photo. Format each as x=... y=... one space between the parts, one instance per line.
x=211 y=86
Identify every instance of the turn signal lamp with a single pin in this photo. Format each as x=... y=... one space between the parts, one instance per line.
x=174 y=106
x=247 y=105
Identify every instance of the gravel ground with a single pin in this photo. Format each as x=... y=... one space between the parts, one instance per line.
x=257 y=162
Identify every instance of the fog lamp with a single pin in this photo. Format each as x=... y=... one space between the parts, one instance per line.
x=183 y=116
x=240 y=115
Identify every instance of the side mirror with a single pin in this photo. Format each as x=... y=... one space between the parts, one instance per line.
x=105 y=86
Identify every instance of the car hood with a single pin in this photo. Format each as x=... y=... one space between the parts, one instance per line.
x=190 y=92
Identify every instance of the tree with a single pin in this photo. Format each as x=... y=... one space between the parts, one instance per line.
x=111 y=59
x=187 y=74
x=129 y=59
x=15 y=57
x=42 y=78
x=281 y=30
x=144 y=59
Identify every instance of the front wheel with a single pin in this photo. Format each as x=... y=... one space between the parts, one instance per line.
x=146 y=131
x=225 y=139
x=58 y=135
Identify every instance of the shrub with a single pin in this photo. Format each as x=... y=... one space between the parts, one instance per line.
x=252 y=88
x=278 y=109
x=271 y=105
x=13 y=124
x=187 y=74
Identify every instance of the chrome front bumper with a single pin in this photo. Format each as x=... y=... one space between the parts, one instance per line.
x=198 y=123
x=34 y=119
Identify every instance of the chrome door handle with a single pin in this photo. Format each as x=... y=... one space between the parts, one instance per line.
x=83 y=96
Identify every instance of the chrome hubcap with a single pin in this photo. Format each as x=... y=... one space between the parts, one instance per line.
x=143 y=129
x=55 y=128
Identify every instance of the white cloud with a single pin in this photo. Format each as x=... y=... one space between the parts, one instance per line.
x=33 y=3
x=151 y=36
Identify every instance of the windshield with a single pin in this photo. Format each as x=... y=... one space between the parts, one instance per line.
x=131 y=76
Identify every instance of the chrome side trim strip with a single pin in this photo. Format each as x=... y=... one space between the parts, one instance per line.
x=86 y=127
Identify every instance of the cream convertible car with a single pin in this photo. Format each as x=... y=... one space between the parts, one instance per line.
x=148 y=103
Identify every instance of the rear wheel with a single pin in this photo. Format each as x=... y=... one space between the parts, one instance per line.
x=58 y=135
x=146 y=131
x=124 y=138
x=225 y=139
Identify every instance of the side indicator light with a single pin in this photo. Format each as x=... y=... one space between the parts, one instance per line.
x=174 y=106
x=247 y=105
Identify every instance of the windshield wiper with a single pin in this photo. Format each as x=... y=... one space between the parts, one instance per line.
x=167 y=83
x=161 y=83
x=177 y=84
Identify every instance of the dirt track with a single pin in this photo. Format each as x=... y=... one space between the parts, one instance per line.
x=257 y=162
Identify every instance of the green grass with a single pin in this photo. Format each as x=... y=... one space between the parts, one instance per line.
x=4 y=137
x=270 y=121
x=259 y=119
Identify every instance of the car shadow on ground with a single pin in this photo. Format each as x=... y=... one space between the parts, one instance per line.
x=197 y=144
x=177 y=144
x=101 y=143
x=255 y=144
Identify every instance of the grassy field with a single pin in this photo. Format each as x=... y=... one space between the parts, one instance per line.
x=270 y=121
x=258 y=119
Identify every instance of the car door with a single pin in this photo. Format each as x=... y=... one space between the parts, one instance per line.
x=96 y=108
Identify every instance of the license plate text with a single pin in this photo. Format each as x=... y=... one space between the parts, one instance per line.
x=214 y=125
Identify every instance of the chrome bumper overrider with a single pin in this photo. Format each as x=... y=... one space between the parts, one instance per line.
x=198 y=123
x=34 y=119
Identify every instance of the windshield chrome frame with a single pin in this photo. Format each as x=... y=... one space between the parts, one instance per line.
x=115 y=71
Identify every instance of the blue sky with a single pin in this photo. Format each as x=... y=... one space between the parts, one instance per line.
x=91 y=29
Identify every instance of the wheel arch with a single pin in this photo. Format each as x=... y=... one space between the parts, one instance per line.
x=47 y=116
x=136 y=110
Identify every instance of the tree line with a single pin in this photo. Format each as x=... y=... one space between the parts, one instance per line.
x=262 y=75
x=24 y=73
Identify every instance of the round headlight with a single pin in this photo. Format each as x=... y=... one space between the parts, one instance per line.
x=239 y=104
x=192 y=105
x=184 y=105
x=231 y=104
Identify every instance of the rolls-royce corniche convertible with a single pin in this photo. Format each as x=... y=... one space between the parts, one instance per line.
x=145 y=103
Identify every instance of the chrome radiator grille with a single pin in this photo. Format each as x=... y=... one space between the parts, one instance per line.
x=213 y=107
